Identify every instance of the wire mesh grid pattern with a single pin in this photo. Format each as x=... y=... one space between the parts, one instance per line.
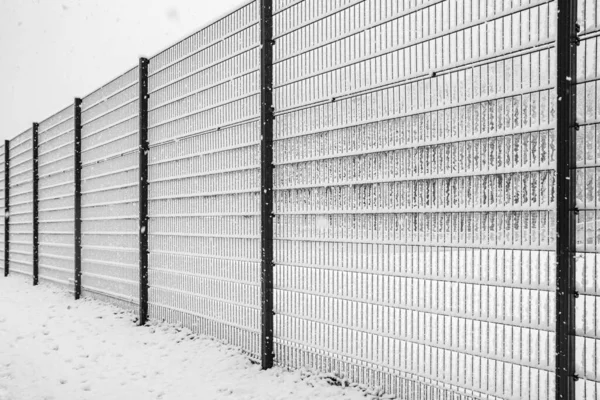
x=21 y=200
x=415 y=149
x=56 y=200
x=204 y=177
x=415 y=153
x=109 y=190
x=587 y=175
x=2 y=197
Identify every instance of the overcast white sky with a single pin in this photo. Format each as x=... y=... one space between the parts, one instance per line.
x=54 y=50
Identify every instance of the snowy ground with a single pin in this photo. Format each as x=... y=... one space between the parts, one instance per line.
x=52 y=347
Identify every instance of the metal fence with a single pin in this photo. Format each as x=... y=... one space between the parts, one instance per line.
x=109 y=191
x=56 y=198
x=587 y=84
x=413 y=211
x=20 y=174
x=399 y=192
x=204 y=177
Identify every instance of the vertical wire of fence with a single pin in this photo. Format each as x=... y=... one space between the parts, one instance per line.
x=56 y=201
x=415 y=194
x=109 y=191
x=587 y=199
x=204 y=176
x=21 y=200
x=4 y=219
x=362 y=187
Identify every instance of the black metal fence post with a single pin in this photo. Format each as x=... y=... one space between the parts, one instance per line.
x=6 y=205
x=566 y=231
x=77 y=197
x=143 y=188
x=266 y=151
x=35 y=177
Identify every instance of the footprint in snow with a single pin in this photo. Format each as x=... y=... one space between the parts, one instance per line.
x=6 y=375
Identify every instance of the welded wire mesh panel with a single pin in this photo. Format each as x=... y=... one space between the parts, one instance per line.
x=204 y=193
x=2 y=196
x=587 y=269
x=21 y=204
x=415 y=153
x=109 y=187
x=56 y=197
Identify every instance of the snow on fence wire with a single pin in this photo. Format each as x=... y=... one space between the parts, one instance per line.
x=56 y=198
x=21 y=200
x=587 y=325
x=204 y=181
x=419 y=153
x=2 y=201
x=412 y=237
x=109 y=191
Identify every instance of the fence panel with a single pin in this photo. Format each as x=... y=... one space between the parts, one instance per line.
x=415 y=194
x=415 y=153
x=2 y=195
x=204 y=175
x=21 y=204
x=56 y=201
x=587 y=358
x=109 y=191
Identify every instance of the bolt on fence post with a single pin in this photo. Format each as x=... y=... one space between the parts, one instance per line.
x=6 y=205
x=143 y=189
x=565 y=216
x=266 y=193
x=35 y=177
x=77 y=197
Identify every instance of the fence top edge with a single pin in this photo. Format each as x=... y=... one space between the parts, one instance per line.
x=83 y=98
x=211 y=22
x=47 y=124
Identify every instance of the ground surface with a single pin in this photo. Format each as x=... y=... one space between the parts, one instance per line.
x=52 y=347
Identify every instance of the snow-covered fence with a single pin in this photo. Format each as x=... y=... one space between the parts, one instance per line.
x=56 y=198
x=109 y=191
x=21 y=200
x=415 y=154
x=3 y=201
x=204 y=176
x=421 y=152
x=587 y=193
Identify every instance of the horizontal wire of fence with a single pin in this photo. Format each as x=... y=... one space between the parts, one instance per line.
x=414 y=152
x=56 y=198
x=20 y=200
x=587 y=174
x=204 y=177
x=3 y=224
x=109 y=191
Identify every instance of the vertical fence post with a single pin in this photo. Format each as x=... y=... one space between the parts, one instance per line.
x=6 y=205
x=77 y=197
x=34 y=145
x=266 y=193
x=565 y=216
x=143 y=189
